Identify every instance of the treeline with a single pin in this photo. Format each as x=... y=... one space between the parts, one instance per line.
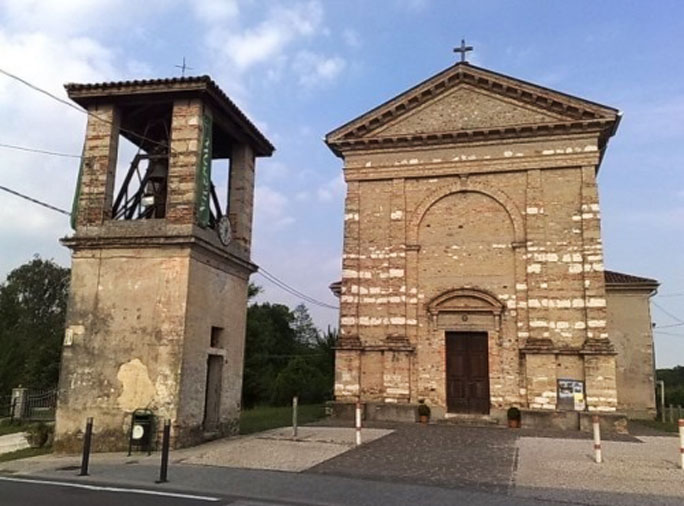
x=674 y=384
x=285 y=354
x=32 y=311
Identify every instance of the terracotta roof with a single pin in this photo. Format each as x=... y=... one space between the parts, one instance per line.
x=84 y=93
x=621 y=278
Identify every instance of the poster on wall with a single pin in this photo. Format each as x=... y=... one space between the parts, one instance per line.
x=571 y=395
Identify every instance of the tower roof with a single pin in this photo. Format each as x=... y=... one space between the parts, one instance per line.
x=150 y=93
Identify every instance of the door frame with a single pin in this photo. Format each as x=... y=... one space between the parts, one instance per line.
x=482 y=334
x=208 y=424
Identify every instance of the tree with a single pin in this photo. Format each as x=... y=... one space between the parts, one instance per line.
x=303 y=326
x=32 y=314
x=269 y=344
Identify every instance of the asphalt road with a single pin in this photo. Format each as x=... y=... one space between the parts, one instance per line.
x=21 y=492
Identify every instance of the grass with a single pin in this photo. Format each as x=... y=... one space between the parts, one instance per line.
x=658 y=425
x=269 y=417
x=25 y=453
x=10 y=428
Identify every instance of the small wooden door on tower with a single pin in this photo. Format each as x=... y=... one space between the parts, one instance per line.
x=467 y=372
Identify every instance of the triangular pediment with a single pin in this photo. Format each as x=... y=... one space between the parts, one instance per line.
x=465 y=107
x=465 y=102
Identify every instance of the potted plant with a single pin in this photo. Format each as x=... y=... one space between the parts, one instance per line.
x=423 y=411
x=513 y=416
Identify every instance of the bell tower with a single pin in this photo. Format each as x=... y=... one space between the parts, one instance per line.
x=160 y=261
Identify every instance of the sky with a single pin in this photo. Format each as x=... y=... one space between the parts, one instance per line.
x=300 y=68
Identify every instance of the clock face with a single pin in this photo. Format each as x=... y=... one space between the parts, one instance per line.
x=224 y=231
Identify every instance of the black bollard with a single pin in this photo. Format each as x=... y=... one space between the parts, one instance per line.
x=164 y=471
x=86 y=447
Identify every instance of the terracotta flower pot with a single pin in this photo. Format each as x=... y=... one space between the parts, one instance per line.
x=514 y=423
x=424 y=419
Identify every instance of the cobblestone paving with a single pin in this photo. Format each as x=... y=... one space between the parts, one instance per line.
x=443 y=455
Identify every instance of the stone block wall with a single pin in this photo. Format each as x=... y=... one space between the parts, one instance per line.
x=523 y=228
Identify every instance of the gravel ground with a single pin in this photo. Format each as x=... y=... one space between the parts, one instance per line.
x=443 y=455
x=555 y=469
x=277 y=450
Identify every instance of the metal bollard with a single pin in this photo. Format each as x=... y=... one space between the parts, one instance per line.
x=86 y=446
x=597 y=439
x=681 y=443
x=358 y=424
x=166 y=437
x=295 y=402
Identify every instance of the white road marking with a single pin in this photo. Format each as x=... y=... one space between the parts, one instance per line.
x=98 y=488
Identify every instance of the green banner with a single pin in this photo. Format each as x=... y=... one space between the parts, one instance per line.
x=204 y=174
x=77 y=193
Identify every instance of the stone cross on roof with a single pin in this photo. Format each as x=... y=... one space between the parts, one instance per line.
x=463 y=50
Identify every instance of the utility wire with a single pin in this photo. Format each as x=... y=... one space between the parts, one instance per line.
x=668 y=333
x=41 y=151
x=80 y=109
x=670 y=326
x=674 y=317
x=35 y=201
x=293 y=291
x=270 y=277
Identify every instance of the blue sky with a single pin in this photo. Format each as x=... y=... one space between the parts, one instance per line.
x=300 y=68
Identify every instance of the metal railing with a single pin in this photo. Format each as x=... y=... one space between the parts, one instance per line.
x=40 y=405
x=7 y=407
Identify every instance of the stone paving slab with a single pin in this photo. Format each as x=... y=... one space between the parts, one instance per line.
x=645 y=472
x=443 y=455
x=278 y=450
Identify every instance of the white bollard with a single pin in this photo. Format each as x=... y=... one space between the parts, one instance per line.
x=597 y=439
x=295 y=401
x=358 y=423
x=681 y=443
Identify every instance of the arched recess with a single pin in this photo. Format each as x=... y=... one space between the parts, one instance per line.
x=465 y=299
x=467 y=308
x=467 y=186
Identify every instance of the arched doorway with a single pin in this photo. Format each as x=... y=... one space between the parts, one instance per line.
x=470 y=321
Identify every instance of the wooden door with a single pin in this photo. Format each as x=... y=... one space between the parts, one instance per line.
x=212 y=401
x=467 y=372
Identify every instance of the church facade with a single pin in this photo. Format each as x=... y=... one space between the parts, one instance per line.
x=473 y=274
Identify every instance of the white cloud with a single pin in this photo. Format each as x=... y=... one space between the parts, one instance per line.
x=351 y=38
x=268 y=39
x=271 y=208
x=216 y=11
x=332 y=190
x=315 y=69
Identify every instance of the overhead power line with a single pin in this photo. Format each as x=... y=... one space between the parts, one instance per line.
x=674 y=317
x=293 y=291
x=668 y=333
x=35 y=201
x=80 y=109
x=36 y=150
x=266 y=274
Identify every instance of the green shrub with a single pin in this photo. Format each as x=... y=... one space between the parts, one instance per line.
x=301 y=379
x=37 y=435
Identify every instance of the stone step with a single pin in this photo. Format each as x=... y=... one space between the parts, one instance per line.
x=471 y=420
